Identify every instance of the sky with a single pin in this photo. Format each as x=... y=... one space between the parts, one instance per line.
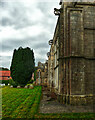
x=26 y=23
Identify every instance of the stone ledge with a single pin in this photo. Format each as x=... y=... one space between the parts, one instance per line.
x=76 y=99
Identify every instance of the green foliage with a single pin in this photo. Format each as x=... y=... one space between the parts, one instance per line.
x=30 y=82
x=12 y=82
x=4 y=69
x=23 y=65
x=65 y=116
x=4 y=81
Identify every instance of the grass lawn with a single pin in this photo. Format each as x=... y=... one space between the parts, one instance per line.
x=20 y=103
x=66 y=116
x=24 y=103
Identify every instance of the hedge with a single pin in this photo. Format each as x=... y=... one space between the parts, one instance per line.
x=4 y=81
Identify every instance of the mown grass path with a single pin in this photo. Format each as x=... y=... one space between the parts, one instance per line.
x=20 y=103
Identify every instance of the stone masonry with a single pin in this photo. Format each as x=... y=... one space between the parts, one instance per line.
x=73 y=54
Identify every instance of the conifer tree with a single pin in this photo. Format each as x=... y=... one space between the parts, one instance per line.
x=22 y=65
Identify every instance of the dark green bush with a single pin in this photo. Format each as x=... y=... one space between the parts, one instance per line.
x=12 y=82
x=30 y=82
x=4 y=82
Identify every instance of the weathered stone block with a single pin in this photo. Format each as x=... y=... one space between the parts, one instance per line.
x=26 y=87
x=11 y=86
x=31 y=86
x=18 y=87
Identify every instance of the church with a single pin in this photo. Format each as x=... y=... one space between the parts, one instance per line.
x=71 y=59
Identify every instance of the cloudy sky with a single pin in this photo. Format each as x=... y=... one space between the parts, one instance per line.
x=26 y=23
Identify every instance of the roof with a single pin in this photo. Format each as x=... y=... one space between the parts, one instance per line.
x=5 y=73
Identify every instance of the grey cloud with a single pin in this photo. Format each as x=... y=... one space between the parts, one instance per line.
x=18 y=23
x=23 y=23
x=41 y=45
x=6 y=48
x=6 y=61
x=49 y=18
x=0 y=58
x=11 y=44
x=38 y=42
x=5 y=57
x=41 y=60
x=16 y=15
x=6 y=21
x=43 y=51
x=46 y=6
x=3 y=4
x=17 y=18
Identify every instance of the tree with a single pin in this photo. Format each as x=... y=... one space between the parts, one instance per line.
x=4 y=69
x=22 y=65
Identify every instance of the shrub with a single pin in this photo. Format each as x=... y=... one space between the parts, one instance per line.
x=30 y=82
x=12 y=82
x=4 y=82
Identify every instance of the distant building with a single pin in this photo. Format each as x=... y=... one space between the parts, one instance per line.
x=42 y=73
x=5 y=75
